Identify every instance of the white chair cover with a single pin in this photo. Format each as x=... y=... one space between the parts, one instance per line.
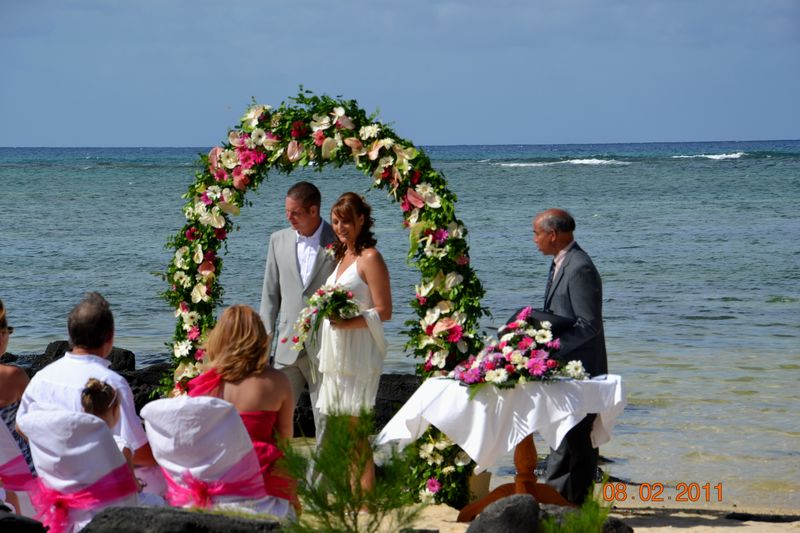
x=206 y=437
x=70 y=452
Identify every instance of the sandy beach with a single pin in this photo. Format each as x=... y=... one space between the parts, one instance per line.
x=669 y=517
x=652 y=520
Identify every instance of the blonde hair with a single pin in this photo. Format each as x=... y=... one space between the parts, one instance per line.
x=98 y=398
x=238 y=345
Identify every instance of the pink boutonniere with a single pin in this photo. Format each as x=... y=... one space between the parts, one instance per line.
x=329 y=251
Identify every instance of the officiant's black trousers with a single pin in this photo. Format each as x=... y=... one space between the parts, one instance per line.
x=571 y=468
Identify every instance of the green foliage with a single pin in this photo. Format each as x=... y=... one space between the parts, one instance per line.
x=333 y=499
x=435 y=457
x=588 y=519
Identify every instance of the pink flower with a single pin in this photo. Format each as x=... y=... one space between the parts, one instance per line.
x=205 y=199
x=433 y=485
x=444 y=324
x=537 y=367
x=524 y=314
x=462 y=260
x=213 y=158
x=199 y=354
x=299 y=129
x=221 y=175
x=415 y=177
x=405 y=205
x=455 y=334
x=295 y=339
x=184 y=307
x=319 y=137
x=193 y=334
x=349 y=294
x=415 y=198
x=221 y=234
x=554 y=344
x=541 y=354
x=206 y=268
x=510 y=369
x=246 y=158
x=191 y=233
x=440 y=235
x=525 y=343
x=284 y=340
x=240 y=180
x=421 y=299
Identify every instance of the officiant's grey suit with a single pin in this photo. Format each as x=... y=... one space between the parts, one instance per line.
x=283 y=296
x=577 y=292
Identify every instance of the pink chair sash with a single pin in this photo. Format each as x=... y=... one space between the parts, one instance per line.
x=15 y=474
x=235 y=482
x=52 y=506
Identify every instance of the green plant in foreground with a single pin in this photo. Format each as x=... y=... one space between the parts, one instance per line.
x=333 y=498
x=589 y=518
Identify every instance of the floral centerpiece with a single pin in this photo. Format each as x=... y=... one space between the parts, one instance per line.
x=521 y=353
x=327 y=302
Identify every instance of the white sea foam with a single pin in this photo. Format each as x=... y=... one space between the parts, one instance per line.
x=567 y=162
x=717 y=157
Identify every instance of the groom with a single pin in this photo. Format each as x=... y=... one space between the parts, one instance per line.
x=574 y=290
x=297 y=265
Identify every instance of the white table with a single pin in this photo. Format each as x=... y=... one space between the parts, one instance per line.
x=495 y=421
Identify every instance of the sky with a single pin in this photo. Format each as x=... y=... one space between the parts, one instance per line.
x=182 y=72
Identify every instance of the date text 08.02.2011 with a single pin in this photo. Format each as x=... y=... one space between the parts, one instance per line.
x=659 y=492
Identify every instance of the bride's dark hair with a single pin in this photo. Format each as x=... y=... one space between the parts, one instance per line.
x=348 y=208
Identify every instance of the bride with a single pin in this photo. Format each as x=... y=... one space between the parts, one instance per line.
x=352 y=350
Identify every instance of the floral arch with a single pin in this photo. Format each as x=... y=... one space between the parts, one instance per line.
x=319 y=131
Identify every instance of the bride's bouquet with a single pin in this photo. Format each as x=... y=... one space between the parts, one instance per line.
x=327 y=302
x=521 y=353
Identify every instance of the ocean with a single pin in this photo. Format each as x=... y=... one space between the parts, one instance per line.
x=697 y=245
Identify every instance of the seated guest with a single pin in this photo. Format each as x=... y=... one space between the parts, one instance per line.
x=13 y=381
x=59 y=385
x=100 y=399
x=207 y=456
x=238 y=351
x=81 y=470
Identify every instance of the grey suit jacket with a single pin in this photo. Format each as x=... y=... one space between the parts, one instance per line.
x=577 y=293
x=283 y=295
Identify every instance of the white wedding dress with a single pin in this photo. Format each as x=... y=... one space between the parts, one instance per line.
x=351 y=360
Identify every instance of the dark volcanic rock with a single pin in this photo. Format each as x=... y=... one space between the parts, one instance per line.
x=393 y=391
x=120 y=358
x=518 y=513
x=8 y=358
x=615 y=525
x=145 y=382
x=170 y=520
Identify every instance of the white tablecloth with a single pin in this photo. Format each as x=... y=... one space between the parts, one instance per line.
x=496 y=420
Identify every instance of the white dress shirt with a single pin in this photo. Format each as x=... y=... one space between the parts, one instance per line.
x=307 y=249
x=59 y=385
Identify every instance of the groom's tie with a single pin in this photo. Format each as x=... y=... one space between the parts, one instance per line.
x=549 y=281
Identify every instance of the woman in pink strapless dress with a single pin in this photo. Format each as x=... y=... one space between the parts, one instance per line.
x=238 y=349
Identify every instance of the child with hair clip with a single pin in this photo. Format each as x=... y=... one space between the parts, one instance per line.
x=100 y=399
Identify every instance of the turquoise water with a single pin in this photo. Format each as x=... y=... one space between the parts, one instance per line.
x=697 y=244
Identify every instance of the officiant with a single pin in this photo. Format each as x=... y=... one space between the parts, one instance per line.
x=574 y=291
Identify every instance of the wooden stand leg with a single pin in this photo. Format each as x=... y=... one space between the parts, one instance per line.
x=524 y=483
